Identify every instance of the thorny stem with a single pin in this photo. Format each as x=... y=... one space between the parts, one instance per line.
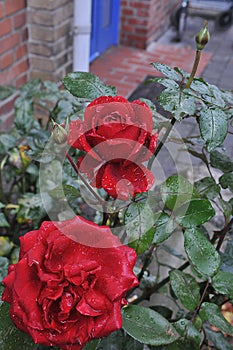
x=221 y=234
x=147 y=261
x=76 y=169
x=194 y=69
x=200 y=302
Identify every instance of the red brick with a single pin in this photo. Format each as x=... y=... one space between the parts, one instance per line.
x=18 y=69
x=19 y=20
x=140 y=5
x=13 y=6
x=21 y=80
x=127 y=12
x=9 y=42
x=138 y=21
x=21 y=51
x=6 y=60
x=1 y=11
x=5 y=27
x=5 y=107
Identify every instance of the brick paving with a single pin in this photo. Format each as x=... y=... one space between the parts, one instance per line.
x=126 y=67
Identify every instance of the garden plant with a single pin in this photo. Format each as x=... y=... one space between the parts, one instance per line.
x=97 y=250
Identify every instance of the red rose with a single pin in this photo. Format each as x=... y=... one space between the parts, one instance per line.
x=63 y=293
x=116 y=134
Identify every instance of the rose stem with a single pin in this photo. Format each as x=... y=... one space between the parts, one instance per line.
x=173 y=120
x=76 y=169
x=194 y=69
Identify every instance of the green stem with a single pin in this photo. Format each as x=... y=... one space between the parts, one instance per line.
x=161 y=143
x=194 y=70
x=76 y=169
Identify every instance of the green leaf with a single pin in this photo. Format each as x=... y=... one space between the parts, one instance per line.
x=3 y=221
x=218 y=340
x=164 y=227
x=10 y=336
x=24 y=114
x=31 y=88
x=167 y=71
x=139 y=223
x=118 y=341
x=185 y=288
x=4 y=263
x=7 y=141
x=178 y=103
x=92 y=345
x=223 y=283
x=226 y=181
x=6 y=91
x=221 y=160
x=87 y=85
x=191 y=338
x=176 y=190
x=227 y=207
x=65 y=191
x=207 y=187
x=194 y=212
x=147 y=326
x=213 y=127
x=5 y=245
x=211 y=313
x=201 y=253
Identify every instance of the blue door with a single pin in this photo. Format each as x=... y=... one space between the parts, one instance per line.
x=105 y=24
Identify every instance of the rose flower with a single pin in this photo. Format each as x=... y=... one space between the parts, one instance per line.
x=117 y=138
x=70 y=283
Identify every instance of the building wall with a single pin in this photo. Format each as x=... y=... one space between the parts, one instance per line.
x=144 y=21
x=50 y=38
x=13 y=43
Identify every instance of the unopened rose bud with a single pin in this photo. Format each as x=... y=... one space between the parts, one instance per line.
x=202 y=37
x=59 y=134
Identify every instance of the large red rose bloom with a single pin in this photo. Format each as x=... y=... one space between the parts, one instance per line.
x=64 y=293
x=115 y=134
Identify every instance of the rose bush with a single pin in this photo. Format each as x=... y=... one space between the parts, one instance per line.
x=64 y=293
x=117 y=138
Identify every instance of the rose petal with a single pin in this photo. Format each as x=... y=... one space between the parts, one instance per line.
x=122 y=181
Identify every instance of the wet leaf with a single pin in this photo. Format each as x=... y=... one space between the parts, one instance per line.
x=185 y=288
x=211 y=313
x=164 y=227
x=207 y=187
x=177 y=190
x=87 y=85
x=194 y=213
x=201 y=253
x=148 y=326
x=223 y=283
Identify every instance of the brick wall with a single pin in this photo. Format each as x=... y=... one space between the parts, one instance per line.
x=14 y=65
x=13 y=43
x=143 y=21
x=50 y=38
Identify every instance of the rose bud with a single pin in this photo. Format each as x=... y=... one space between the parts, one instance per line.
x=202 y=37
x=59 y=134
